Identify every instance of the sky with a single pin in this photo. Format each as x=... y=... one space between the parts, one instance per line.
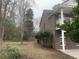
x=38 y=8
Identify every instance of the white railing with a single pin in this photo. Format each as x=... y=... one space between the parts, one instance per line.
x=66 y=19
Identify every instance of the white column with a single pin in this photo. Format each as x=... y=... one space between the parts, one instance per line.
x=62 y=31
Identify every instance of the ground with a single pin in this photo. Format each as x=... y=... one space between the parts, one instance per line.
x=73 y=52
x=35 y=51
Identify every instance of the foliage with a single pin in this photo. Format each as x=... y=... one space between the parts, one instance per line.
x=44 y=38
x=28 y=29
x=28 y=24
x=9 y=52
x=41 y=35
x=72 y=27
x=29 y=14
x=72 y=30
x=11 y=31
x=77 y=1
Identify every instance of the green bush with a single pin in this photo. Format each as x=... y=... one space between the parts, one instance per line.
x=9 y=52
x=44 y=38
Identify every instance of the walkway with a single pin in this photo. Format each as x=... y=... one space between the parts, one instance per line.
x=73 y=52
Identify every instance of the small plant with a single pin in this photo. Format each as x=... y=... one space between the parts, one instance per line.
x=9 y=52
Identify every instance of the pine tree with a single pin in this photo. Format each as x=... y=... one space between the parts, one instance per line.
x=28 y=24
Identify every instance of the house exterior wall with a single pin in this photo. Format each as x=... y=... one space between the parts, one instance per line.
x=49 y=24
x=68 y=43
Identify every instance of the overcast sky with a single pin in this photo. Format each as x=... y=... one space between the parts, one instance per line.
x=38 y=8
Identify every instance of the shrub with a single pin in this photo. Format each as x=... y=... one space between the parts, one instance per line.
x=44 y=38
x=9 y=53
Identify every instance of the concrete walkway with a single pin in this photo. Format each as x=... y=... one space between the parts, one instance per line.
x=73 y=52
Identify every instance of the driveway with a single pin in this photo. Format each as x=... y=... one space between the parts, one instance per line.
x=73 y=52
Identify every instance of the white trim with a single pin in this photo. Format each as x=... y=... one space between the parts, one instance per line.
x=62 y=31
x=63 y=41
x=77 y=45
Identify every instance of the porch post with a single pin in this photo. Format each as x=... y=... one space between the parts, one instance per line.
x=62 y=31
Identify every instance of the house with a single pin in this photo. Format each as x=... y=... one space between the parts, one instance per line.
x=51 y=18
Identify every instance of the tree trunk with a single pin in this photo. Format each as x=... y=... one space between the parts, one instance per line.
x=22 y=31
x=22 y=37
x=1 y=30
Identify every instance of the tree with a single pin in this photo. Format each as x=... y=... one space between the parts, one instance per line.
x=72 y=27
x=5 y=6
x=1 y=22
x=23 y=5
x=11 y=31
x=29 y=14
x=15 y=10
x=3 y=13
x=0 y=10
x=28 y=24
x=77 y=1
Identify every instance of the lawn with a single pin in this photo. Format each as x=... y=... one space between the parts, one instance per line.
x=34 y=51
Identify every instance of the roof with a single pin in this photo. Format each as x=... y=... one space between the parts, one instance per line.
x=46 y=14
x=66 y=3
x=67 y=6
x=56 y=9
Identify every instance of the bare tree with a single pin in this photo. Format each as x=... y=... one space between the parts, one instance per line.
x=1 y=20
x=12 y=8
x=24 y=5
x=5 y=4
x=0 y=11
x=4 y=7
x=0 y=7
